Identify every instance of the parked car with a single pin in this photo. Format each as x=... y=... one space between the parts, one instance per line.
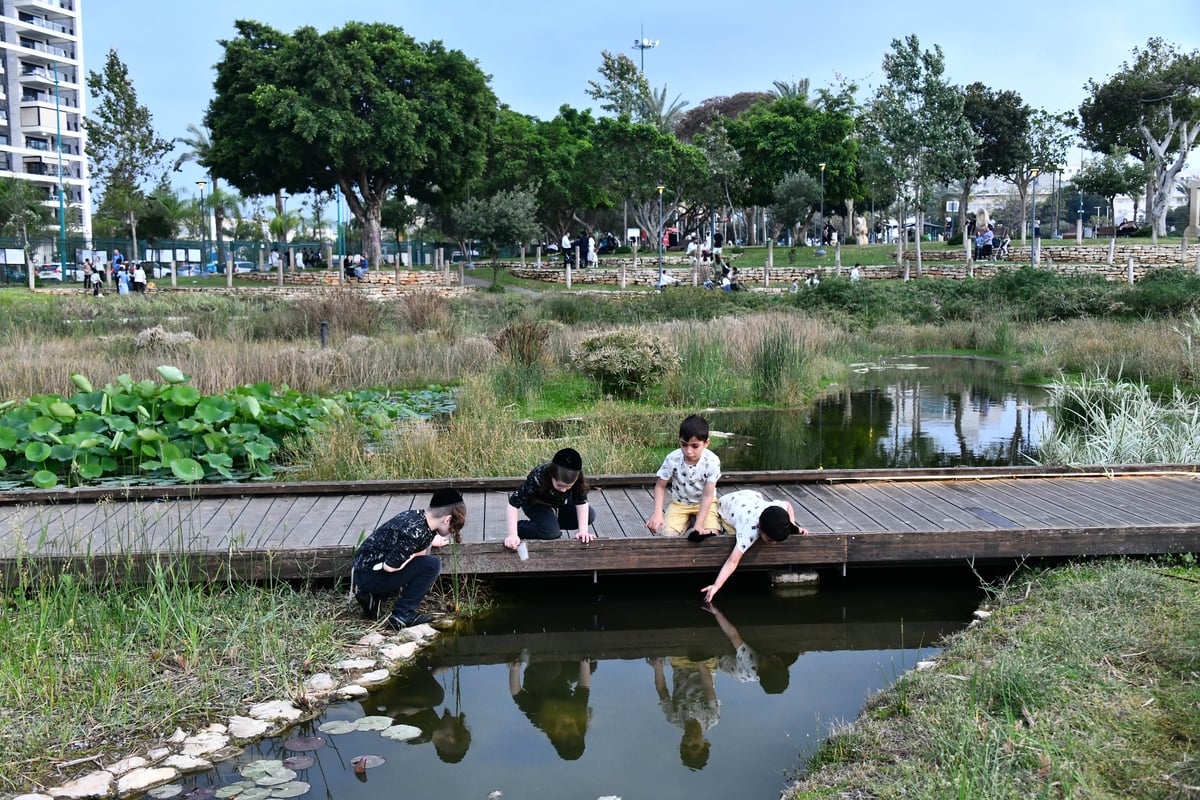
x=181 y=270
x=49 y=272
x=239 y=268
x=457 y=255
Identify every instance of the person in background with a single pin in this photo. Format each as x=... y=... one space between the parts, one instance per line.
x=395 y=561
x=855 y=273
x=139 y=278
x=554 y=498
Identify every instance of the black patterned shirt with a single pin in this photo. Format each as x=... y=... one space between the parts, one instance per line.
x=395 y=540
x=530 y=493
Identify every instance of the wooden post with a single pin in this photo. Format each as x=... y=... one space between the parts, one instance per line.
x=569 y=267
x=409 y=250
x=397 y=269
x=538 y=263
x=522 y=256
x=173 y=283
x=229 y=271
x=292 y=259
x=328 y=258
x=1112 y=249
x=1129 y=272
x=279 y=273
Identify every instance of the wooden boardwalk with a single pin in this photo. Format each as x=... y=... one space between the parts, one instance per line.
x=296 y=531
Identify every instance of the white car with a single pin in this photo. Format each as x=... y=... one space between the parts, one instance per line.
x=239 y=268
x=49 y=272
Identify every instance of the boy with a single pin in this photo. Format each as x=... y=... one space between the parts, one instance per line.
x=753 y=517
x=692 y=471
x=394 y=561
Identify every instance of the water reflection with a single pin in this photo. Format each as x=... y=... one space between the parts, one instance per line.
x=634 y=698
x=922 y=412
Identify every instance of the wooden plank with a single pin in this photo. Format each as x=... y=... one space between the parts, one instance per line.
x=882 y=505
x=495 y=514
x=622 y=505
x=1092 y=503
x=977 y=499
x=1171 y=496
x=305 y=530
x=473 y=530
x=840 y=505
x=340 y=526
x=926 y=498
x=812 y=512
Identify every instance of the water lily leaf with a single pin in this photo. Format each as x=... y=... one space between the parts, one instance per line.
x=88 y=469
x=282 y=776
x=368 y=761
x=263 y=767
x=62 y=410
x=375 y=723
x=213 y=409
x=45 y=479
x=172 y=374
x=304 y=744
x=150 y=435
x=169 y=451
x=259 y=451
x=252 y=407
x=37 y=452
x=184 y=395
x=298 y=762
x=292 y=789
x=8 y=438
x=4 y=465
x=165 y=792
x=118 y=422
x=201 y=793
x=337 y=726
x=62 y=452
x=150 y=465
x=146 y=388
x=81 y=383
x=45 y=425
x=125 y=403
x=401 y=733
x=187 y=470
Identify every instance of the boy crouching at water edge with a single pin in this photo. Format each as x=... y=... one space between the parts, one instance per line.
x=395 y=560
x=753 y=518
x=692 y=472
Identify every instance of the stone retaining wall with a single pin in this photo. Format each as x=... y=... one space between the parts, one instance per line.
x=385 y=277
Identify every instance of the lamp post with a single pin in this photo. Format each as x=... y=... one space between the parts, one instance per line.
x=1032 y=212
x=62 y=210
x=821 y=224
x=660 y=188
x=1079 y=237
x=203 y=225
x=644 y=44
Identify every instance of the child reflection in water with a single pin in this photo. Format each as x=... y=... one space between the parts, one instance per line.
x=555 y=696
x=691 y=704
x=412 y=699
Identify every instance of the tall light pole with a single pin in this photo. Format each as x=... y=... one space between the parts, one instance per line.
x=821 y=224
x=644 y=44
x=1032 y=215
x=660 y=188
x=1079 y=236
x=62 y=210
x=203 y=225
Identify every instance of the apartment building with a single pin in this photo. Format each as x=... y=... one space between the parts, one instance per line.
x=42 y=95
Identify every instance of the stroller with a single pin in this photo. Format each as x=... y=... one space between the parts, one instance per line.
x=1000 y=248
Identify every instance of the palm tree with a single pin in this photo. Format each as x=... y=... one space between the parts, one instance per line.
x=198 y=149
x=785 y=90
x=654 y=110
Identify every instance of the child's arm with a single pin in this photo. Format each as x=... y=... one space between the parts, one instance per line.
x=706 y=501
x=660 y=494
x=585 y=534
x=512 y=540
x=727 y=569
x=792 y=517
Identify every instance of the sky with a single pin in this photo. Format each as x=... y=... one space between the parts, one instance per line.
x=541 y=55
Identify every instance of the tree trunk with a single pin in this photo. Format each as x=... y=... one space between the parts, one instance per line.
x=133 y=233
x=920 y=229
x=372 y=235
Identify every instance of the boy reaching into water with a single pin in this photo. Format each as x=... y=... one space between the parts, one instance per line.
x=692 y=472
x=753 y=517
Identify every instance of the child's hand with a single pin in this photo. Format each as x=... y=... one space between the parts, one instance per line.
x=585 y=536
x=655 y=522
x=512 y=541
x=439 y=541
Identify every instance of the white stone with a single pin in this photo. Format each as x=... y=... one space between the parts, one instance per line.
x=794 y=578
x=353 y=664
x=94 y=784
x=142 y=779
x=276 y=709
x=127 y=764
x=321 y=682
x=981 y=614
x=203 y=744
x=924 y=665
x=371 y=640
x=187 y=763
x=247 y=727
x=372 y=678
x=215 y=727
x=352 y=691
x=158 y=753
x=421 y=632
x=33 y=796
x=398 y=652
x=177 y=737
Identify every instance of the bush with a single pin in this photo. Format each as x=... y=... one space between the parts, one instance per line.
x=625 y=363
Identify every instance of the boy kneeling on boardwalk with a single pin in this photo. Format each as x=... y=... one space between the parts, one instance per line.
x=394 y=561
x=692 y=472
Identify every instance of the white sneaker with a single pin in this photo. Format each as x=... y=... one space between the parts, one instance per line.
x=99 y=295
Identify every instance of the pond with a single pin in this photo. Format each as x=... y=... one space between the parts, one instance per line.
x=630 y=693
x=900 y=413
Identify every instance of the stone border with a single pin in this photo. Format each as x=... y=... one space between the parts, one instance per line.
x=373 y=661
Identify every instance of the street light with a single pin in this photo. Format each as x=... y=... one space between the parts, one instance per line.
x=203 y=225
x=821 y=229
x=62 y=210
x=1032 y=229
x=644 y=44
x=1079 y=238
x=660 y=188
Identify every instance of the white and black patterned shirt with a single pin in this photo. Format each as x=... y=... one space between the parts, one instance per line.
x=688 y=481
x=742 y=510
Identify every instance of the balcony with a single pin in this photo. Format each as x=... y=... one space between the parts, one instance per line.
x=55 y=30
x=53 y=8
x=51 y=52
x=43 y=77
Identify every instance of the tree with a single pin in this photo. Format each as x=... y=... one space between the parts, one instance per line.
x=198 y=149
x=653 y=109
x=727 y=108
x=1045 y=151
x=364 y=108
x=23 y=212
x=1000 y=121
x=790 y=90
x=1150 y=108
x=622 y=85
x=794 y=197
x=506 y=219
x=917 y=123
x=124 y=150
x=1109 y=176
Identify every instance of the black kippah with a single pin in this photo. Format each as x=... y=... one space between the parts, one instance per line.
x=569 y=458
x=445 y=497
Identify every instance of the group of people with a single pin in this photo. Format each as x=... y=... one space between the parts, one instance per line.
x=355 y=266
x=396 y=563
x=584 y=246
x=127 y=276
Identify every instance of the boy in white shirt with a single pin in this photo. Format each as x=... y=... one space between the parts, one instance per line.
x=691 y=472
x=754 y=518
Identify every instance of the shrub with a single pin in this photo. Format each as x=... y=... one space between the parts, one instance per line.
x=523 y=341
x=625 y=363
x=423 y=311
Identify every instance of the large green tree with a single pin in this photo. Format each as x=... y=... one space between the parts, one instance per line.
x=506 y=219
x=1000 y=122
x=1150 y=108
x=1110 y=176
x=916 y=122
x=364 y=108
x=124 y=150
x=621 y=87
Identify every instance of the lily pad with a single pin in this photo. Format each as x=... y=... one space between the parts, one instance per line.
x=165 y=792
x=401 y=733
x=201 y=793
x=367 y=762
x=377 y=723
x=337 y=726
x=299 y=762
x=257 y=769
x=233 y=789
x=304 y=744
x=279 y=778
x=293 y=789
